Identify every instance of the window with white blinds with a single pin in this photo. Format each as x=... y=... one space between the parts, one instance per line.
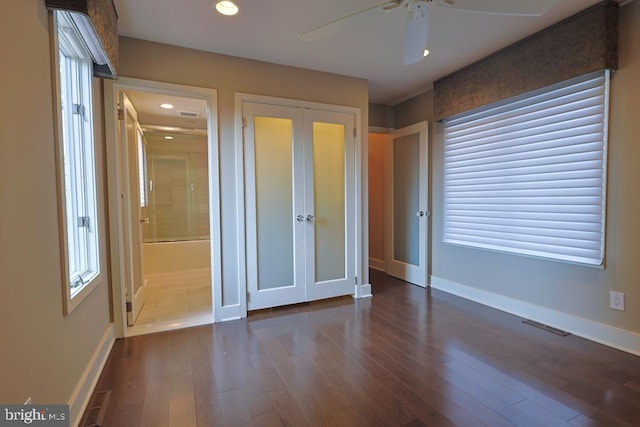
x=529 y=177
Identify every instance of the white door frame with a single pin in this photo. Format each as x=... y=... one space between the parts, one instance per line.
x=361 y=289
x=116 y=191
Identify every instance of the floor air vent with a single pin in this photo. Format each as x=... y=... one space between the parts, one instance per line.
x=547 y=328
x=97 y=409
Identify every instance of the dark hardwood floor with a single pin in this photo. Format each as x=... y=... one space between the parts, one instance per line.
x=408 y=356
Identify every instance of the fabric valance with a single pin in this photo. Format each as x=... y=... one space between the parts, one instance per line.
x=97 y=21
x=583 y=43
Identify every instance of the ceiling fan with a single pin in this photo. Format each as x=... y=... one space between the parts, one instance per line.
x=417 y=20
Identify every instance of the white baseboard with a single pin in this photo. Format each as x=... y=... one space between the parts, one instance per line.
x=611 y=336
x=376 y=264
x=231 y=312
x=363 y=291
x=84 y=389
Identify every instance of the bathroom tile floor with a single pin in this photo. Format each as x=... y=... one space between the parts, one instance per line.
x=176 y=296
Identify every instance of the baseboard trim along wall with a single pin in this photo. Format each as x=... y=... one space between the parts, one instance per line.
x=611 y=336
x=376 y=264
x=363 y=291
x=84 y=389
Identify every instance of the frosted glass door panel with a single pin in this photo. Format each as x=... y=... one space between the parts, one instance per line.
x=329 y=200
x=406 y=198
x=274 y=201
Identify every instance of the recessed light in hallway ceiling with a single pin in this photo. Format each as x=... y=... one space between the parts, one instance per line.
x=227 y=7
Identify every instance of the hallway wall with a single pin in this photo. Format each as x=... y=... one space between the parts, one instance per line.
x=44 y=353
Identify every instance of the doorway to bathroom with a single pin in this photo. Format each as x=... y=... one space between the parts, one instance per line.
x=168 y=207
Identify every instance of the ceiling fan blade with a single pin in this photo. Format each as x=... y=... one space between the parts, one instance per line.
x=342 y=23
x=416 y=32
x=501 y=7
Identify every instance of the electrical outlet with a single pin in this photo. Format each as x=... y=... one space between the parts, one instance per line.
x=616 y=300
x=28 y=401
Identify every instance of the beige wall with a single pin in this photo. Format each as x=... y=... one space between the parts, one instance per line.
x=159 y=62
x=581 y=292
x=43 y=354
x=376 y=197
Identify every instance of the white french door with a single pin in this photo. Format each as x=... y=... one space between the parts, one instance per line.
x=330 y=200
x=300 y=204
x=406 y=201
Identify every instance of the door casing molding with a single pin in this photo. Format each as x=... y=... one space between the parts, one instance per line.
x=115 y=189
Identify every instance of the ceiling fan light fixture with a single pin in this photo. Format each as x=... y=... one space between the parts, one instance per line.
x=227 y=7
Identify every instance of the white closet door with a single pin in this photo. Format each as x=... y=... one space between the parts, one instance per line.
x=407 y=214
x=329 y=203
x=274 y=191
x=300 y=204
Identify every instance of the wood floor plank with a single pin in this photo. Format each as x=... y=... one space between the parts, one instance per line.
x=287 y=408
x=406 y=357
x=541 y=415
x=182 y=408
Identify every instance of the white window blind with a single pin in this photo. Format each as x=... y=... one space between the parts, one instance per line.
x=529 y=177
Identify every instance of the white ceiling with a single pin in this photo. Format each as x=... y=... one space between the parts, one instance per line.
x=147 y=106
x=267 y=30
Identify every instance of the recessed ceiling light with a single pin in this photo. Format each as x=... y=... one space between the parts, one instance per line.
x=168 y=137
x=166 y=106
x=226 y=7
x=425 y=53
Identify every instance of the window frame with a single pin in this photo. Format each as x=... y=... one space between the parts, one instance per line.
x=77 y=188
x=473 y=185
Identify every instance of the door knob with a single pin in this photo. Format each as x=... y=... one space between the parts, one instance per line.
x=300 y=218
x=420 y=213
x=310 y=218
x=144 y=221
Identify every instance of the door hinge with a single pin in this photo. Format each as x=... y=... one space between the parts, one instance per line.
x=84 y=221
x=244 y=123
x=120 y=114
x=248 y=297
x=356 y=280
x=78 y=109
x=355 y=133
x=129 y=308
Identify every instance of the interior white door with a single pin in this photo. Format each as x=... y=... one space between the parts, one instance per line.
x=329 y=203
x=406 y=201
x=132 y=233
x=275 y=216
x=300 y=204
